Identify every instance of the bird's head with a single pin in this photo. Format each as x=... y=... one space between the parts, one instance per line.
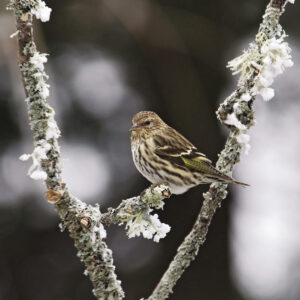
x=145 y=124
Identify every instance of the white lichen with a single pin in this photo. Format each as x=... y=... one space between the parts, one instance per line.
x=96 y=233
x=41 y=11
x=241 y=63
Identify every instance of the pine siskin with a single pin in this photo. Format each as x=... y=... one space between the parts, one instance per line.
x=161 y=154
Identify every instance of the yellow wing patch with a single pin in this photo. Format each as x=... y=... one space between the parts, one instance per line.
x=200 y=163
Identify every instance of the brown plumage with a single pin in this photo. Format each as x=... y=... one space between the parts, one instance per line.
x=161 y=154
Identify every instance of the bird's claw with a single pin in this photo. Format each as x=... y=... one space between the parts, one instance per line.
x=153 y=186
x=142 y=194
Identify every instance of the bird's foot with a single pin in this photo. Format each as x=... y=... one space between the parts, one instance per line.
x=153 y=186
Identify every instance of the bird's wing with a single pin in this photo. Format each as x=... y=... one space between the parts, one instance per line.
x=181 y=151
x=199 y=163
x=186 y=153
x=178 y=150
x=191 y=157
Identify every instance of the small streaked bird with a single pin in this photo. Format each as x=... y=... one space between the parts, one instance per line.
x=161 y=154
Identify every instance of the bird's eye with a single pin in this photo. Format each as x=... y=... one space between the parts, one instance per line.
x=147 y=123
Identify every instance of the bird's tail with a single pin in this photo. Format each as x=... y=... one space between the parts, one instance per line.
x=214 y=175
x=227 y=179
x=240 y=183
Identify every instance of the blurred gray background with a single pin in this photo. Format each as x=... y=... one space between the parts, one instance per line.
x=108 y=60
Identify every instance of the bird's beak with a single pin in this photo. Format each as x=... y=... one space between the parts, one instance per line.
x=134 y=127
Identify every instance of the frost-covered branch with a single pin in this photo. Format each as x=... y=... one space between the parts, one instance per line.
x=136 y=214
x=81 y=220
x=265 y=58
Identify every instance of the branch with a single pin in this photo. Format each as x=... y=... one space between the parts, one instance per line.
x=129 y=208
x=84 y=222
x=81 y=220
x=265 y=58
x=280 y=4
x=136 y=213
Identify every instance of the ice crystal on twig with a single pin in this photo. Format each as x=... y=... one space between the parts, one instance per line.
x=147 y=225
x=39 y=153
x=269 y=60
x=265 y=59
x=41 y=11
x=275 y=57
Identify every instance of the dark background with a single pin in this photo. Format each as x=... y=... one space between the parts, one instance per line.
x=109 y=60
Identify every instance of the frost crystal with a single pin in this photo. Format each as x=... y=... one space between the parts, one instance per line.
x=39 y=153
x=147 y=225
x=136 y=214
x=246 y=97
x=266 y=93
x=38 y=175
x=275 y=57
x=262 y=62
x=41 y=11
x=244 y=140
x=103 y=233
x=38 y=60
x=14 y=34
x=52 y=130
x=24 y=157
x=233 y=120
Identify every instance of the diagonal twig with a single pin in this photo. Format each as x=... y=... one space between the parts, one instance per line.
x=242 y=100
